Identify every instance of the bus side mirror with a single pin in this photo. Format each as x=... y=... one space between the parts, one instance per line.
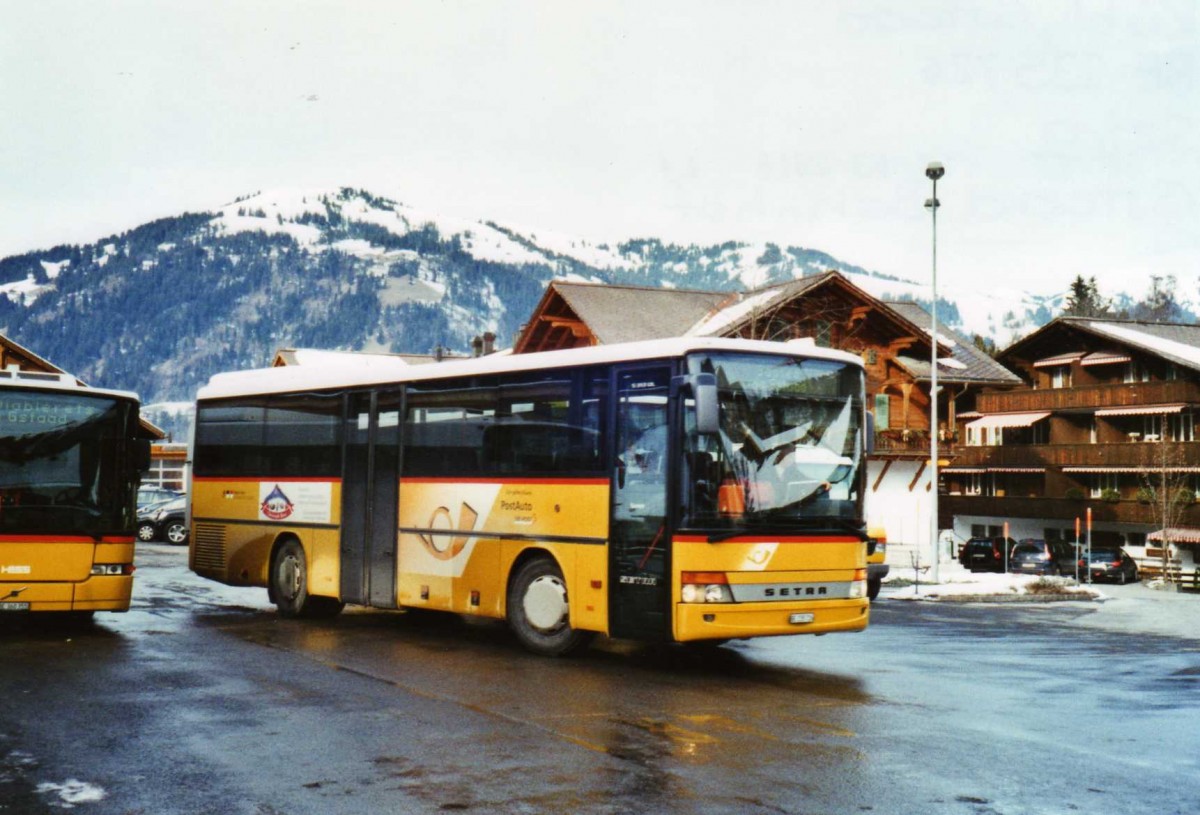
x=141 y=455
x=870 y=446
x=708 y=409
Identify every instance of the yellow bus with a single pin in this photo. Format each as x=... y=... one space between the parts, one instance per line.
x=70 y=458
x=680 y=490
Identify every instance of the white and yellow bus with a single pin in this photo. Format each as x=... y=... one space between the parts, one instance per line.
x=679 y=490
x=70 y=458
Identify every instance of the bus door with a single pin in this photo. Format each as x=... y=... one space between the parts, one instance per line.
x=640 y=586
x=369 y=500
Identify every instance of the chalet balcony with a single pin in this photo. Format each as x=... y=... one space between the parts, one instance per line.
x=1141 y=455
x=1132 y=394
x=910 y=444
x=1062 y=509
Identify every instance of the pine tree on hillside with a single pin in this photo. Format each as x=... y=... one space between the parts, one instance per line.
x=1084 y=300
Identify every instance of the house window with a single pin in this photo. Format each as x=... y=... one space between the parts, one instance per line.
x=1093 y=431
x=1060 y=376
x=980 y=484
x=882 y=411
x=1152 y=427
x=1136 y=372
x=1181 y=427
x=1104 y=481
x=978 y=531
x=823 y=333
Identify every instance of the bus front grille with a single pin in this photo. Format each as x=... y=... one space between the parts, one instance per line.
x=208 y=548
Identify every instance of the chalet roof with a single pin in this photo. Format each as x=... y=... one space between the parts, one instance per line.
x=630 y=313
x=965 y=363
x=1174 y=342
x=741 y=307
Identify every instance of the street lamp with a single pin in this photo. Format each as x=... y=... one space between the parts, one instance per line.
x=933 y=172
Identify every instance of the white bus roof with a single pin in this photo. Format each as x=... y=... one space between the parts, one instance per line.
x=298 y=378
x=61 y=382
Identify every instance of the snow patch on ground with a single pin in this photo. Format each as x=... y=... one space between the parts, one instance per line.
x=72 y=792
x=1146 y=608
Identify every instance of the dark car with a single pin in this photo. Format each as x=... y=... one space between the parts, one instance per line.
x=164 y=521
x=1109 y=563
x=1035 y=556
x=985 y=554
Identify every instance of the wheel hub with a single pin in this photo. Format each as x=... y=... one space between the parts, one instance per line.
x=545 y=603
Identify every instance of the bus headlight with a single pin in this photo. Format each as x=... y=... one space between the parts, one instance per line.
x=858 y=586
x=705 y=587
x=112 y=568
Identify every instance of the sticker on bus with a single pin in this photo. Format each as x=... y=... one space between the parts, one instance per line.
x=296 y=501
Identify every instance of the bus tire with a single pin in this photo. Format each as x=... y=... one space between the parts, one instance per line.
x=873 y=587
x=289 y=585
x=539 y=611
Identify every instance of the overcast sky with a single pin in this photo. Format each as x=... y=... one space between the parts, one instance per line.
x=1069 y=130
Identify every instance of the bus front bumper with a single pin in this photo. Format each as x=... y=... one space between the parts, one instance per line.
x=101 y=593
x=707 y=621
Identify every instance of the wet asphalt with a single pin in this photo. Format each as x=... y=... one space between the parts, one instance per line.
x=199 y=702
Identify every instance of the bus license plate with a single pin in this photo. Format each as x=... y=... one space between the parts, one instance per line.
x=800 y=619
x=14 y=606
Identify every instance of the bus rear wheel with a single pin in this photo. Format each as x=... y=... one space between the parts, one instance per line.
x=289 y=585
x=539 y=610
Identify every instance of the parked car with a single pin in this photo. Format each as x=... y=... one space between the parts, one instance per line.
x=1109 y=563
x=164 y=521
x=148 y=496
x=1036 y=556
x=985 y=554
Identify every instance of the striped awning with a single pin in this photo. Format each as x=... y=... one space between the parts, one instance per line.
x=1008 y=419
x=969 y=414
x=1061 y=359
x=963 y=470
x=1140 y=410
x=1032 y=470
x=1176 y=535
x=1147 y=469
x=1105 y=358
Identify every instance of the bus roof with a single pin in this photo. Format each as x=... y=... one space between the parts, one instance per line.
x=59 y=382
x=380 y=370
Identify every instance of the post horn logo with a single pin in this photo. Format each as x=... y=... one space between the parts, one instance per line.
x=444 y=546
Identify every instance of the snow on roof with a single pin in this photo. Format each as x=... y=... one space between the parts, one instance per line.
x=730 y=315
x=1172 y=348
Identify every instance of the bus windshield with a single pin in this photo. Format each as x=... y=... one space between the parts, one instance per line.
x=789 y=451
x=62 y=462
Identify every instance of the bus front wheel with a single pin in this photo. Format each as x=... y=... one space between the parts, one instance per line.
x=539 y=611
x=289 y=585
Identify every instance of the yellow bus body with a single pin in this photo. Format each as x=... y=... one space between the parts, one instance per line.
x=489 y=526
x=54 y=573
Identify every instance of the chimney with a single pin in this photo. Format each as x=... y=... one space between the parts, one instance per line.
x=439 y=353
x=489 y=343
x=477 y=346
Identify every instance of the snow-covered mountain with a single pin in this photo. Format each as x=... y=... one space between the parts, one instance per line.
x=161 y=307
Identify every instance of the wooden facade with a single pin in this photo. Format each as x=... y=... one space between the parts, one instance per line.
x=1106 y=421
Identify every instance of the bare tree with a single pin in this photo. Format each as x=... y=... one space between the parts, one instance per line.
x=1167 y=490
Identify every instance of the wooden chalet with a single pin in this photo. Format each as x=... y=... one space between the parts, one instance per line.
x=893 y=339
x=1104 y=420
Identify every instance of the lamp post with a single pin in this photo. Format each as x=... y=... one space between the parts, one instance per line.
x=933 y=172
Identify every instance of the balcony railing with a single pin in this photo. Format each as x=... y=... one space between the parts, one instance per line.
x=1142 y=455
x=1091 y=396
x=911 y=443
